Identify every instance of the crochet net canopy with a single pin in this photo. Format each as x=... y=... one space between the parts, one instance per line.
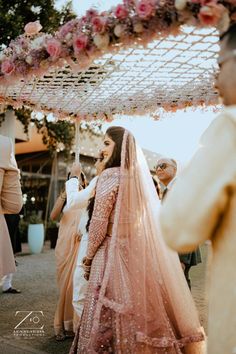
x=118 y=62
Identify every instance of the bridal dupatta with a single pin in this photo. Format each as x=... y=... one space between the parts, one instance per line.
x=141 y=302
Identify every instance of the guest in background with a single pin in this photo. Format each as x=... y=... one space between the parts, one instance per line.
x=157 y=187
x=10 y=203
x=66 y=254
x=166 y=172
x=12 y=221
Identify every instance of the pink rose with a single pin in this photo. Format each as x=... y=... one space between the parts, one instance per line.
x=210 y=15
x=53 y=48
x=67 y=28
x=99 y=24
x=129 y=3
x=32 y=28
x=7 y=67
x=121 y=12
x=91 y=13
x=145 y=8
x=80 y=43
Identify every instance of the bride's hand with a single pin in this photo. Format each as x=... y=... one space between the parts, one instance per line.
x=75 y=170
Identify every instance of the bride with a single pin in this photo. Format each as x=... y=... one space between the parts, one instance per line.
x=137 y=298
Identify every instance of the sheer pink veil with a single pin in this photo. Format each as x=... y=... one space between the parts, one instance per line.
x=143 y=286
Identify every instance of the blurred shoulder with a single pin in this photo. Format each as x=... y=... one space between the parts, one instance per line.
x=219 y=130
x=6 y=150
x=5 y=143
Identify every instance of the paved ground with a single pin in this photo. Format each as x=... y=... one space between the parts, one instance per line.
x=36 y=278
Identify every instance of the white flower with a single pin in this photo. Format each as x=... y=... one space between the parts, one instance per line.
x=138 y=27
x=119 y=30
x=37 y=42
x=29 y=59
x=180 y=4
x=68 y=37
x=18 y=49
x=101 y=40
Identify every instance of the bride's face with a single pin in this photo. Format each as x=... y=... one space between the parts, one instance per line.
x=107 y=148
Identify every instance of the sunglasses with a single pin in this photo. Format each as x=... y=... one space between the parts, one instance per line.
x=162 y=166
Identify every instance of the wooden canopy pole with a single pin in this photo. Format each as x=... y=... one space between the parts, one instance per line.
x=77 y=141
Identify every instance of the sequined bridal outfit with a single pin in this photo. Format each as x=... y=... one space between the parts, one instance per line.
x=137 y=299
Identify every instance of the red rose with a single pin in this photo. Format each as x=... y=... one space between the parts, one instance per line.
x=121 y=12
x=80 y=43
x=99 y=24
x=145 y=8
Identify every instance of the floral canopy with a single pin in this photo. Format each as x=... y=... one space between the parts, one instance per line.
x=141 y=56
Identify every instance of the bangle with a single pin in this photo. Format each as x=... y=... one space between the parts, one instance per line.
x=89 y=259
x=74 y=177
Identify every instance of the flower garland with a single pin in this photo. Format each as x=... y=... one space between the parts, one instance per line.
x=107 y=117
x=80 y=41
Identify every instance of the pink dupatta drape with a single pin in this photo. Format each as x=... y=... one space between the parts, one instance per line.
x=138 y=300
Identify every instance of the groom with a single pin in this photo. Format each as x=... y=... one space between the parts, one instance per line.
x=202 y=205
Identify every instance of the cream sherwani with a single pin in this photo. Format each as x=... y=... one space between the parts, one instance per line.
x=10 y=202
x=201 y=206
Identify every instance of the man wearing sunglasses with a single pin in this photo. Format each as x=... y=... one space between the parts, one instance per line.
x=202 y=205
x=166 y=170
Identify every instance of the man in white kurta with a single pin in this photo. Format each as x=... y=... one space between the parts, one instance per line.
x=202 y=205
x=10 y=203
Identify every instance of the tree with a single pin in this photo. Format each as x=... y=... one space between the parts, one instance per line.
x=15 y=14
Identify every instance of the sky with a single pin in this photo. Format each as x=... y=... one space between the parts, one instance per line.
x=176 y=135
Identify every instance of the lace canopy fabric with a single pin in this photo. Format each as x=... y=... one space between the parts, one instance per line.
x=175 y=72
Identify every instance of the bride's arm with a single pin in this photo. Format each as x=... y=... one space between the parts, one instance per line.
x=106 y=195
x=76 y=199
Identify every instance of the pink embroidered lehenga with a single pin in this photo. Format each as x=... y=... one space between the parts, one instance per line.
x=137 y=299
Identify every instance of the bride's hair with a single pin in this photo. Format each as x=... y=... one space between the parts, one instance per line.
x=116 y=134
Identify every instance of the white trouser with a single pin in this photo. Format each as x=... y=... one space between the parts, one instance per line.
x=6 y=281
x=79 y=283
